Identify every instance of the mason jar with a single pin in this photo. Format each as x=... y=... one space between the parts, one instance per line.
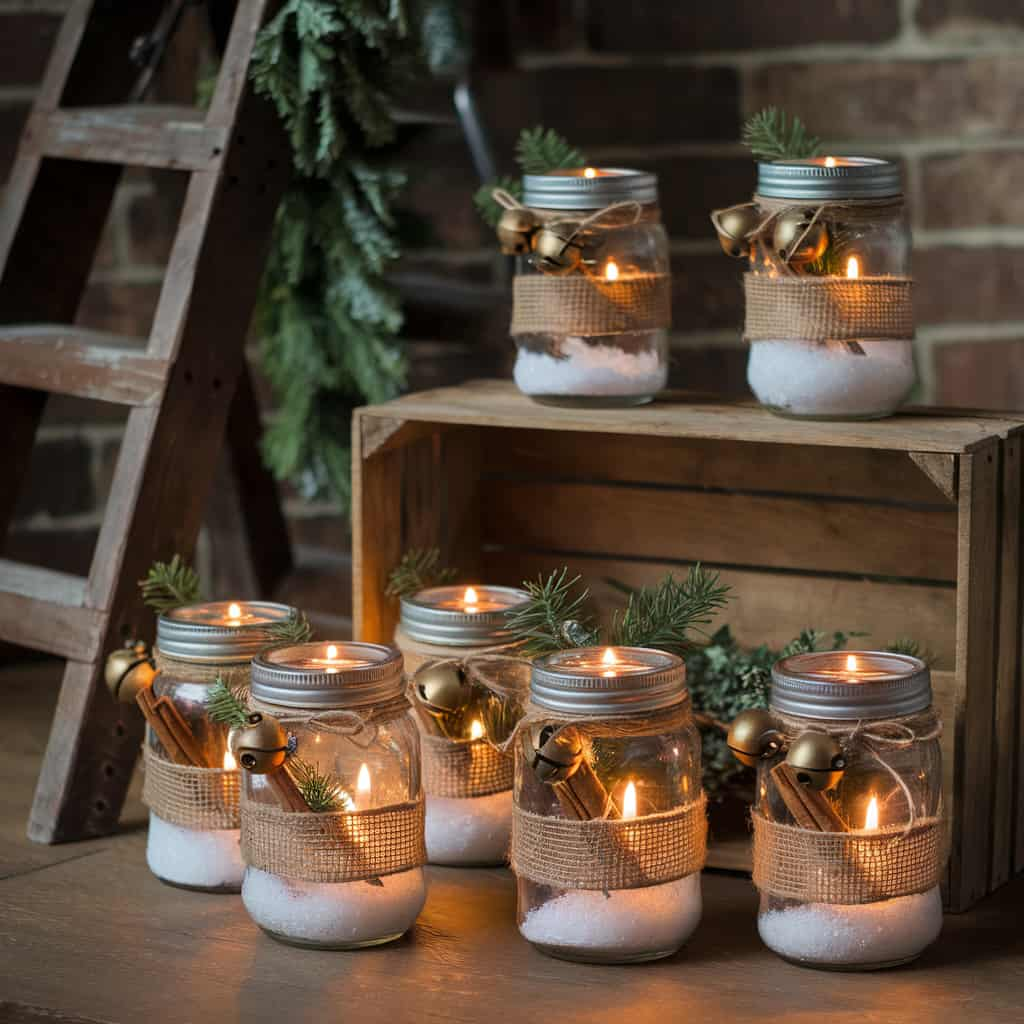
x=592 y=300
x=829 y=316
x=609 y=827
x=848 y=836
x=333 y=836
x=192 y=788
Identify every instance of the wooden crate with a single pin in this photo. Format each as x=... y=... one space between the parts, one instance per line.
x=907 y=527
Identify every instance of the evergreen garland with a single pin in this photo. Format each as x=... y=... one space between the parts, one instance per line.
x=327 y=319
x=170 y=585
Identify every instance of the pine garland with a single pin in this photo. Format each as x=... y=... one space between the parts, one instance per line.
x=419 y=568
x=170 y=585
x=772 y=134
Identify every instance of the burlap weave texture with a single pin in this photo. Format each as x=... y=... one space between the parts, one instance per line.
x=199 y=798
x=464 y=770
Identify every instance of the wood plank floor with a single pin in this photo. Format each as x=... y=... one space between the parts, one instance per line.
x=86 y=934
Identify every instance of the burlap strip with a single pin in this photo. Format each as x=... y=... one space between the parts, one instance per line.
x=335 y=846
x=579 y=304
x=606 y=854
x=827 y=308
x=234 y=673
x=199 y=798
x=846 y=867
x=464 y=770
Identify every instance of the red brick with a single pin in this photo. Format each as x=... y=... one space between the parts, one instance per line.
x=981 y=374
x=707 y=292
x=960 y=284
x=736 y=25
x=973 y=20
x=691 y=187
x=974 y=97
x=25 y=42
x=972 y=189
x=121 y=307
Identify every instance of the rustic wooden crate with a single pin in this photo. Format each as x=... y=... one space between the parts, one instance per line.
x=905 y=527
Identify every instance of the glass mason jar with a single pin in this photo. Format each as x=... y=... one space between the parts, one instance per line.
x=831 y=331
x=592 y=301
x=342 y=868
x=609 y=827
x=193 y=819
x=857 y=769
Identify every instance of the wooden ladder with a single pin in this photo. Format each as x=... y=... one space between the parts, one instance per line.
x=178 y=384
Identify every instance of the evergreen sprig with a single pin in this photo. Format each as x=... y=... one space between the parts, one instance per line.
x=321 y=790
x=226 y=706
x=419 y=568
x=538 y=151
x=170 y=585
x=771 y=134
x=296 y=629
x=555 y=617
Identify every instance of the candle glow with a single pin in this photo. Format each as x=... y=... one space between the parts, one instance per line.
x=871 y=817
x=629 y=801
x=234 y=611
x=830 y=161
x=229 y=761
x=853 y=268
x=589 y=172
x=476 y=730
x=851 y=663
x=609 y=659
x=470 y=600
x=363 y=780
x=611 y=271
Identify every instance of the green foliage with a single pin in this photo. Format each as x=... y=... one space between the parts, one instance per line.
x=321 y=790
x=538 y=151
x=907 y=645
x=327 y=319
x=555 y=616
x=225 y=705
x=773 y=135
x=170 y=585
x=418 y=569
x=293 y=630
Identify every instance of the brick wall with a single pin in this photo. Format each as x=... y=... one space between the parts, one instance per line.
x=937 y=84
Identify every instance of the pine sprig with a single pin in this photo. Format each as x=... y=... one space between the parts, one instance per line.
x=322 y=791
x=555 y=617
x=419 y=568
x=226 y=706
x=296 y=629
x=771 y=134
x=170 y=585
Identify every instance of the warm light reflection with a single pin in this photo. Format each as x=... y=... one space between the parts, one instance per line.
x=229 y=761
x=332 y=652
x=629 y=801
x=871 y=818
x=234 y=611
x=853 y=267
x=851 y=663
x=589 y=172
x=609 y=659
x=611 y=271
x=470 y=599
x=363 y=781
x=476 y=730
x=830 y=161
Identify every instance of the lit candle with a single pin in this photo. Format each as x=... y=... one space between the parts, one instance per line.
x=609 y=659
x=234 y=614
x=629 y=800
x=470 y=601
x=229 y=761
x=852 y=268
x=830 y=161
x=611 y=271
x=363 y=783
x=871 y=815
x=589 y=172
x=476 y=729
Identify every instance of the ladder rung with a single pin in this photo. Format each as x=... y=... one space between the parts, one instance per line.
x=146 y=135
x=44 y=609
x=67 y=360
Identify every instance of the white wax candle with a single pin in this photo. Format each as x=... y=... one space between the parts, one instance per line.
x=627 y=924
x=205 y=859
x=806 y=378
x=334 y=914
x=469 y=831
x=887 y=932
x=586 y=369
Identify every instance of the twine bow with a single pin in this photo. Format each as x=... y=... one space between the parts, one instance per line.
x=549 y=218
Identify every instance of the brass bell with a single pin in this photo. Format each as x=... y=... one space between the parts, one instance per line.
x=557 y=250
x=128 y=671
x=753 y=735
x=556 y=754
x=733 y=226
x=797 y=240
x=442 y=688
x=817 y=760
x=260 y=745
x=516 y=229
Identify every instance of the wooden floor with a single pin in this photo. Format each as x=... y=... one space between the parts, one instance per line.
x=86 y=934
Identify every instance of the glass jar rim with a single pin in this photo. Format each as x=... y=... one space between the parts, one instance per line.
x=568 y=189
x=851 y=177
x=424 y=620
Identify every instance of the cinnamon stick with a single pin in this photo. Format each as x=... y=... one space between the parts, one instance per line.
x=285 y=790
x=810 y=808
x=582 y=795
x=170 y=728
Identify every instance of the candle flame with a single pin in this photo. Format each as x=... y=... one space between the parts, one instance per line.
x=853 y=267
x=589 y=172
x=470 y=596
x=611 y=271
x=871 y=818
x=851 y=663
x=229 y=761
x=234 y=611
x=629 y=801
x=332 y=652
x=476 y=730
x=609 y=659
x=363 y=781
x=830 y=161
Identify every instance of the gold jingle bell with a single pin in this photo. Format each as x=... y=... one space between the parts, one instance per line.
x=753 y=735
x=798 y=238
x=516 y=229
x=442 y=689
x=817 y=760
x=733 y=226
x=557 y=250
x=128 y=671
x=260 y=745
x=556 y=754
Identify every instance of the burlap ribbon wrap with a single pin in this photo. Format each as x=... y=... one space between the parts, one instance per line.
x=234 y=673
x=197 y=798
x=335 y=846
x=464 y=770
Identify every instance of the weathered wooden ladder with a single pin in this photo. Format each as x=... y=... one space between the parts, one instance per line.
x=178 y=384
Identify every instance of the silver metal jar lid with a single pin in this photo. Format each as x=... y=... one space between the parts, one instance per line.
x=196 y=632
x=424 y=620
x=300 y=677
x=821 y=685
x=853 y=177
x=560 y=682
x=571 y=190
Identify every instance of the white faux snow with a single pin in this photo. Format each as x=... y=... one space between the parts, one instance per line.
x=869 y=933
x=334 y=914
x=204 y=859
x=806 y=378
x=626 y=923
x=469 y=831
x=589 y=369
